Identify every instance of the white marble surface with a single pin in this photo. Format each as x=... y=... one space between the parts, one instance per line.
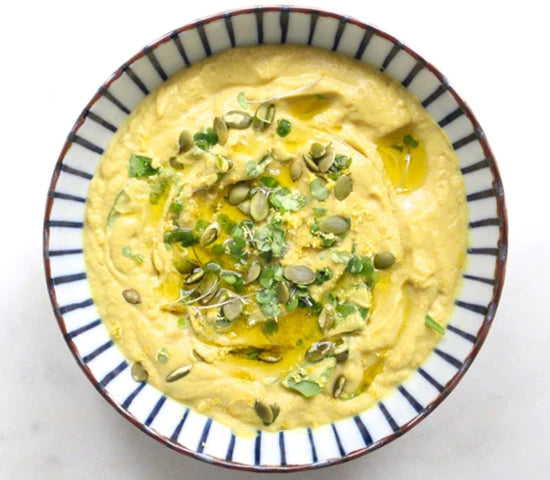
x=53 y=424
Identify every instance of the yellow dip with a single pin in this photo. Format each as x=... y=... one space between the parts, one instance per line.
x=406 y=198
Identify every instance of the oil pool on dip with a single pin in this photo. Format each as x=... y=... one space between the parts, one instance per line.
x=275 y=237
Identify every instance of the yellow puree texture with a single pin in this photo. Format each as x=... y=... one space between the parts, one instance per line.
x=420 y=217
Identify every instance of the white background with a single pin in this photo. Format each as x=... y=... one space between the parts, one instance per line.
x=53 y=424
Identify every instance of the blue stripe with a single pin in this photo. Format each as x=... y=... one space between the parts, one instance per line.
x=156 y=64
x=177 y=40
x=413 y=401
x=490 y=192
x=174 y=437
x=475 y=167
x=104 y=123
x=155 y=411
x=482 y=310
x=73 y=137
x=363 y=431
x=392 y=423
x=76 y=172
x=113 y=373
x=465 y=141
x=364 y=43
x=282 y=447
x=134 y=394
x=99 y=350
x=59 y=253
x=341 y=27
x=67 y=196
x=413 y=73
x=338 y=442
x=259 y=24
x=449 y=358
x=258 y=448
x=431 y=379
x=462 y=333
x=486 y=222
x=135 y=78
x=314 y=16
x=84 y=328
x=283 y=22
x=488 y=281
x=204 y=38
x=64 y=224
x=483 y=251
x=451 y=117
x=75 y=306
x=108 y=95
x=229 y=28
x=204 y=436
x=312 y=445
x=390 y=56
x=434 y=95
x=75 y=277
x=230 y=449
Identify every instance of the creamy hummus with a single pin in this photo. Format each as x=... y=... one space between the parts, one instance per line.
x=290 y=262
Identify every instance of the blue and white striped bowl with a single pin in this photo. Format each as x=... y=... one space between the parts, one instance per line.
x=182 y=428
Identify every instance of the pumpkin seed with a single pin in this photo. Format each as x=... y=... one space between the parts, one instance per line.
x=208 y=287
x=139 y=374
x=266 y=413
x=383 y=260
x=131 y=296
x=296 y=170
x=197 y=274
x=210 y=234
x=326 y=162
x=299 y=274
x=341 y=353
x=212 y=267
x=282 y=292
x=238 y=193
x=178 y=373
x=237 y=119
x=185 y=141
x=269 y=357
x=259 y=206
x=252 y=273
x=343 y=187
x=319 y=350
x=185 y=266
x=317 y=151
x=232 y=310
x=244 y=207
x=338 y=387
x=326 y=317
x=335 y=224
x=175 y=163
x=198 y=356
x=220 y=127
x=264 y=116
x=310 y=163
x=223 y=164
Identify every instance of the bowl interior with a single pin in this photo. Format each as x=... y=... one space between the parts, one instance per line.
x=180 y=427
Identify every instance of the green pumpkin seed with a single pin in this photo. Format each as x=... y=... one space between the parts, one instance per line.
x=326 y=162
x=198 y=356
x=317 y=151
x=220 y=127
x=343 y=187
x=210 y=234
x=185 y=266
x=232 y=310
x=185 y=141
x=296 y=170
x=264 y=116
x=131 y=296
x=319 y=350
x=238 y=192
x=237 y=119
x=175 y=163
x=208 y=287
x=338 y=387
x=299 y=274
x=244 y=207
x=341 y=353
x=178 y=373
x=197 y=274
x=266 y=413
x=310 y=164
x=383 y=260
x=259 y=206
x=139 y=374
x=282 y=292
x=212 y=267
x=269 y=357
x=335 y=224
x=252 y=273
x=223 y=164
x=326 y=317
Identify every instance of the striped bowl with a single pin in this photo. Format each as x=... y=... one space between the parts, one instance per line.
x=178 y=426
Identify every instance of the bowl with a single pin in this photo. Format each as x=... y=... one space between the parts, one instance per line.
x=178 y=426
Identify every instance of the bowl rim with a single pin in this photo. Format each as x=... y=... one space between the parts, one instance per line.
x=500 y=264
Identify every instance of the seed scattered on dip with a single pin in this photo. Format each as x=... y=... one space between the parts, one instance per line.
x=279 y=233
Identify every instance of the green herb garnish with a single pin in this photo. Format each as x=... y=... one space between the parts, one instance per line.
x=319 y=212
x=140 y=167
x=127 y=252
x=269 y=182
x=283 y=127
x=270 y=238
x=323 y=275
x=206 y=139
x=243 y=102
x=176 y=206
x=158 y=189
x=182 y=235
x=283 y=201
x=254 y=170
x=430 y=322
x=410 y=142
x=270 y=326
x=163 y=356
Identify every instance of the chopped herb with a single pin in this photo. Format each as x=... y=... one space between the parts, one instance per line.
x=308 y=388
x=163 y=356
x=140 y=167
x=183 y=322
x=355 y=265
x=254 y=170
x=323 y=275
x=341 y=162
x=158 y=189
x=243 y=102
x=283 y=201
x=430 y=322
x=218 y=249
x=270 y=326
x=318 y=190
x=320 y=211
x=269 y=182
x=271 y=275
x=292 y=304
x=127 y=252
x=182 y=235
x=176 y=206
x=283 y=127
x=236 y=247
x=363 y=311
x=339 y=256
x=205 y=140
x=345 y=309
x=113 y=214
x=270 y=238
x=410 y=142
x=201 y=225
x=230 y=279
x=399 y=148
x=226 y=223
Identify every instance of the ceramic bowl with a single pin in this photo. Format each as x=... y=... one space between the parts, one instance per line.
x=178 y=426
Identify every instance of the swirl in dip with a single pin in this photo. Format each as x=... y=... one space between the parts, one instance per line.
x=276 y=236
